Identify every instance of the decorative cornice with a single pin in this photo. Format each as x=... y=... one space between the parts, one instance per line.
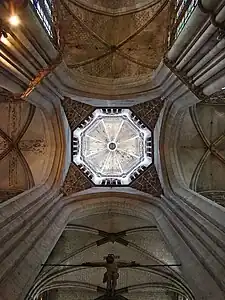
x=215 y=196
x=197 y=91
x=41 y=75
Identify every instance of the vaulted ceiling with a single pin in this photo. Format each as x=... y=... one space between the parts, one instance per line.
x=116 y=7
x=24 y=146
x=201 y=145
x=147 y=181
x=113 y=44
x=90 y=239
x=110 y=46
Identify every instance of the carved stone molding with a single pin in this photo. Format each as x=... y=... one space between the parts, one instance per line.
x=215 y=196
x=8 y=194
x=217 y=98
x=196 y=90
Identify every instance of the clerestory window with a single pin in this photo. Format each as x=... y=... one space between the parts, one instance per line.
x=43 y=9
x=184 y=9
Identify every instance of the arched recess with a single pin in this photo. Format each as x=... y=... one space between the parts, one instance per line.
x=33 y=135
x=103 y=221
x=175 y=120
x=33 y=218
x=191 y=159
x=27 y=146
x=111 y=64
x=200 y=150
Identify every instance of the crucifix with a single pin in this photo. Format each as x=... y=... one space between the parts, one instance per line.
x=112 y=267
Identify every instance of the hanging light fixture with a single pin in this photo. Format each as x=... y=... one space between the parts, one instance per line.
x=14 y=20
x=14 y=7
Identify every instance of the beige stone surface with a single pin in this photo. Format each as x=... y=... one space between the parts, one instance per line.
x=111 y=50
x=25 y=147
x=79 y=243
x=189 y=228
x=201 y=148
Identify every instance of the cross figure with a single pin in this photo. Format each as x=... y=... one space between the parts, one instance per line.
x=112 y=267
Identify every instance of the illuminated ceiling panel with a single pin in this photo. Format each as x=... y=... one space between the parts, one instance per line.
x=112 y=146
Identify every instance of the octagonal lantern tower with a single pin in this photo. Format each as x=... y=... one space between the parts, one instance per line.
x=112 y=146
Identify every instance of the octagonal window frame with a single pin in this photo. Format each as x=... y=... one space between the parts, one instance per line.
x=134 y=174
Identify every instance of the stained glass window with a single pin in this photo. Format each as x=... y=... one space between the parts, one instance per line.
x=43 y=9
x=112 y=147
x=184 y=9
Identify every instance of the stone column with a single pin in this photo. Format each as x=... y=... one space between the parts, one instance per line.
x=31 y=224
x=198 y=265
x=193 y=225
x=197 y=55
x=195 y=22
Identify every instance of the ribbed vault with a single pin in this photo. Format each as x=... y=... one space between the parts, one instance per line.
x=90 y=239
x=113 y=52
x=108 y=51
x=201 y=150
x=24 y=146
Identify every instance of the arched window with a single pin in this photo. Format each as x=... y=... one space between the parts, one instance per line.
x=43 y=9
x=182 y=11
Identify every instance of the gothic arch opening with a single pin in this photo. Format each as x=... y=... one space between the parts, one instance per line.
x=27 y=146
x=200 y=150
x=103 y=224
